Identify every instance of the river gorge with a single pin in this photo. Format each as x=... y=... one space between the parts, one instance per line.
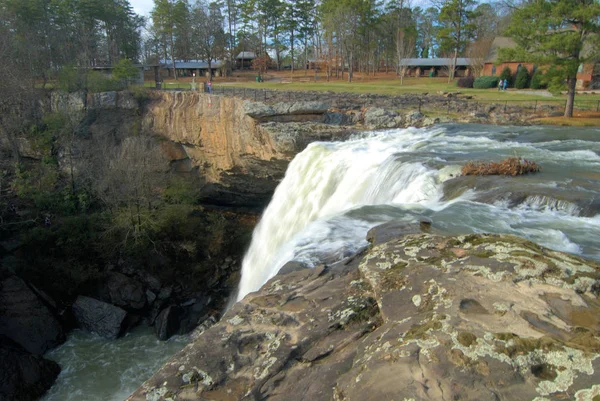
x=331 y=196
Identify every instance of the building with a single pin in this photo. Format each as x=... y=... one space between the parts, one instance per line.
x=435 y=67
x=588 y=75
x=244 y=60
x=188 y=68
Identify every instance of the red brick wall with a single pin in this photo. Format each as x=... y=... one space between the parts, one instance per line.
x=487 y=69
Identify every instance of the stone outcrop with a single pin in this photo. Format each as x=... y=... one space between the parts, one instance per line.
x=416 y=317
x=98 y=317
x=25 y=319
x=23 y=376
x=125 y=292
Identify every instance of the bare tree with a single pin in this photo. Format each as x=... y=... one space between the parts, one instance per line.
x=477 y=52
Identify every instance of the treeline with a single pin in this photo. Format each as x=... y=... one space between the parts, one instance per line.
x=360 y=35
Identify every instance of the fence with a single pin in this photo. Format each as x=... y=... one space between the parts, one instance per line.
x=422 y=102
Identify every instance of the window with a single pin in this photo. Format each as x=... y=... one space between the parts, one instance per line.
x=494 y=70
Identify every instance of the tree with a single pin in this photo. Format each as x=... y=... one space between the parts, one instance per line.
x=168 y=16
x=477 y=52
x=208 y=35
x=125 y=71
x=506 y=76
x=427 y=29
x=456 y=17
x=553 y=33
x=522 y=79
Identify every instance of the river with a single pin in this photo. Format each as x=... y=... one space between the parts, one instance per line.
x=334 y=192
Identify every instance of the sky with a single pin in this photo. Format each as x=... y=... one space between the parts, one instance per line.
x=142 y=7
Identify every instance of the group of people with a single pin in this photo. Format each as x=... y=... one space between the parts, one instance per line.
x=502 y=84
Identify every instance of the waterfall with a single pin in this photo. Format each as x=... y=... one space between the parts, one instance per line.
x=333 y=193
x=323 y=182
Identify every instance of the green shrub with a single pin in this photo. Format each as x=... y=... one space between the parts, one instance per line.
x=99 y=82
x=485 y=82
x=125 y=72
x=522 y=80
x=538 y=80
x=507 y=75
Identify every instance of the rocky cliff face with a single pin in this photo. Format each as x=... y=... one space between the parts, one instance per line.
x=240 y=147
x=417 y=317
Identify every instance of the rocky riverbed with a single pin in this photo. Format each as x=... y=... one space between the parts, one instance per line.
x=415 y=316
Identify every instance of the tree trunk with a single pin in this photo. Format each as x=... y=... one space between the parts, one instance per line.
x=350 y=66
x=292 y=50
x=571 y=83
x=173 y=56
x=210 y=75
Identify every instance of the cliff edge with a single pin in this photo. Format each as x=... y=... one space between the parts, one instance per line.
x=417 y=317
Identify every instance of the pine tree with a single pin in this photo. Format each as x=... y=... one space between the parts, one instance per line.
x=552 y=34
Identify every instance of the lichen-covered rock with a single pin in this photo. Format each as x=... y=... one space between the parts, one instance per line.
x=376 y=118
x=419 y=317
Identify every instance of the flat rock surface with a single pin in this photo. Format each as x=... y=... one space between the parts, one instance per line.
x=420 y=317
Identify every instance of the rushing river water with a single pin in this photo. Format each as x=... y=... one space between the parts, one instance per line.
x=333 y=193
x=97 y=369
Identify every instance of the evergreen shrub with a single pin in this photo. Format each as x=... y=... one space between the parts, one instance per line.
x=522 y=79
x=537 y=80
x=485 y=82
x=507 y=75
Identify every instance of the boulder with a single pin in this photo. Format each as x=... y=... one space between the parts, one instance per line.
x=421 y=317
x=377 y=118
x=125 y=292
x=413 y=119
x=167 y=322
x=99 y=317
x=24 y=376
x=181 y=319
x=25 y=319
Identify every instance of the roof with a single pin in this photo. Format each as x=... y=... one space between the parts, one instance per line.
x=246 y=55
x=499 y=42
x=193 y=64
x=434 y=62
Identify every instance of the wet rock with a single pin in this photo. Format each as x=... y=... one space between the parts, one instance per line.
x=125 y=292
x=473 y=317
x=292 y=266
x=167 y=323
x=23 y=376
x=181 y=319
x=25 y=319
x=99 y=317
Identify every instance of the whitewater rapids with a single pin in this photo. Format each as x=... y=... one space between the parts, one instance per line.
x=334 y=192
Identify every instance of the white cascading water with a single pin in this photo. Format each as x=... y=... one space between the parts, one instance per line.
x=325 y=180
x=333 y=193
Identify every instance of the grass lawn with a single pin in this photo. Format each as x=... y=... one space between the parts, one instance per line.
x=383 y=84
x=580 y=119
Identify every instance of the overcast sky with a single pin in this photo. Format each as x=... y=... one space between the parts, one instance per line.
x=142 y=7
